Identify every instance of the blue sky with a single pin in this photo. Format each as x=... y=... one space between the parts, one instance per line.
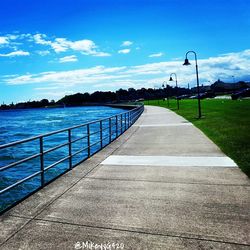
x=52 y=48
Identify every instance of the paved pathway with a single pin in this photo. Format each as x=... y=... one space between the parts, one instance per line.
x=161 y=185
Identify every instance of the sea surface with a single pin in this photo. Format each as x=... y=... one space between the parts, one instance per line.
x=17 y=125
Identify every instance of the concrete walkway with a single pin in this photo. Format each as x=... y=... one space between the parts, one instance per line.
x=161 y=185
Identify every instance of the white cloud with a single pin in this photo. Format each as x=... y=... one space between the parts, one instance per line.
x=65 y=59
x=58 y=46
x=124 y=51
x=3 y=40
x=101 y=54
x=16 y=53
x=146 y=75
x=43 y=52
x=54 y=94
x=12 y=37
x=177 y=58
x=156 y=55
x=16 y=40
x=48 y=88
x=85 y=46
x=19 y=36
x=126 y=43
x=72 y=77
x=39 y=39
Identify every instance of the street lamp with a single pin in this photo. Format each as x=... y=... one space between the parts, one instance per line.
x=186 y=63
x=163 y=84
x=171 y=79
x=166 y=91
x=233 y=79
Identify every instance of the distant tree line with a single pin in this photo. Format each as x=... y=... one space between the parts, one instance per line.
x=101 y=97
x=30 y=104
x=125 y=95
x=121 y=95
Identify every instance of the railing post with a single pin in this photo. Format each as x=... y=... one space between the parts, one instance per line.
x=116 y=125
x=70 y=149
x=121 y=123
x=125 y=121
x=101 y=133
x=128 y=119
x=41 y=161
x=88 y=132
x=110 y=130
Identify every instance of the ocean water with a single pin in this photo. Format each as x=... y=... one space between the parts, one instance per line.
x=17 y=125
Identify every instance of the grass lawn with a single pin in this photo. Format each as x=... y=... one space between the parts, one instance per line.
x=226 y=122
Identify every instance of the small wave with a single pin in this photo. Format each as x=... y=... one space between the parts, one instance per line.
x=48 y=122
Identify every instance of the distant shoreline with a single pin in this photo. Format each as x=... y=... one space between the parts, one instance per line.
x=115 y=105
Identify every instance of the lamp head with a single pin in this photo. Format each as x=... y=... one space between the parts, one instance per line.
x=186 y=63
x=171 y=79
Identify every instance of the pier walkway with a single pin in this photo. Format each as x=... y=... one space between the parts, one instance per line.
x=161 y=185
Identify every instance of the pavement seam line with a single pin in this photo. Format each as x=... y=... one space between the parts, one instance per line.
x=18 y=230
x=142 y=232
x=186 y=183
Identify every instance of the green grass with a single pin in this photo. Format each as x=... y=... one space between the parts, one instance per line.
x=225 y=122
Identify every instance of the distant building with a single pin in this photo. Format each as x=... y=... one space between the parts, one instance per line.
x=220 y=86
x=202 y=88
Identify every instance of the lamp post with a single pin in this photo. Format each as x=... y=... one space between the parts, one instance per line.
x=171 y=79
x=159 y=93
x=166 y=91
x=165 y=88
x=163 y=84
x=186 y=63
x=233 y=79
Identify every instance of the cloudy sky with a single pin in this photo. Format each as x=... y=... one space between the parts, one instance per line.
x=52 y=48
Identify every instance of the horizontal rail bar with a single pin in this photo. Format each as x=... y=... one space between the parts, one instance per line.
x=56 y=163
x=104 y=138
x=55 y=148
x=105 y=128
x=96 y=132
x=79 y=151
x=113 y=133
x=20 y=182
x=19 y=162
x=94 y=143
x=78 y=139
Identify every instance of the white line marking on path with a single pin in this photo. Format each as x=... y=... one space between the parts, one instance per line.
x=160 y=113
x=166 y=125
x=178 y=161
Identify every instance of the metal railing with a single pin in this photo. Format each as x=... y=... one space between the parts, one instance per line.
x=93 y=137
